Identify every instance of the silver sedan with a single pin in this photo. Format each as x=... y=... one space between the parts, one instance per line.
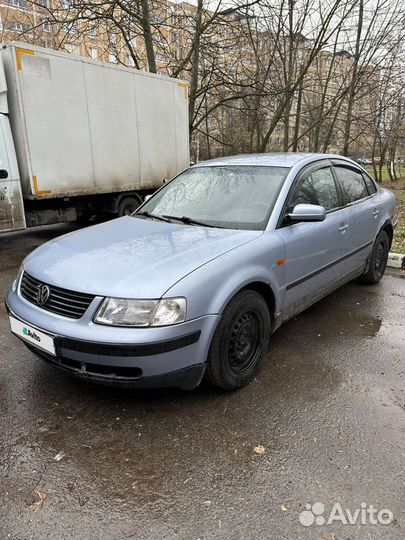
x=197 y=279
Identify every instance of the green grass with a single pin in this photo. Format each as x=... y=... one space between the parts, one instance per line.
x=398 y=188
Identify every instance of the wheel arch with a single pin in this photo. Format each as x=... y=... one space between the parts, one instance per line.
x=265 y=290
x=389 y=229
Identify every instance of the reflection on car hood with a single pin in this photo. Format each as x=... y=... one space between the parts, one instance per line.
x=130 y=257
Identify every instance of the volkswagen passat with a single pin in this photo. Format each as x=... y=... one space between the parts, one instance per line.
x=205 y=270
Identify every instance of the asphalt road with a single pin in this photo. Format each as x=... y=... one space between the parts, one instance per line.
x=326 y=416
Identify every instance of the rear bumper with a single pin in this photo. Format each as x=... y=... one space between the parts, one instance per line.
x=139 y=358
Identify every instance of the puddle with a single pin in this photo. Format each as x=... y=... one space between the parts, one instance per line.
x=354 y=325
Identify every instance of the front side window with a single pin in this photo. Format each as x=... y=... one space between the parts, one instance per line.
x=317 y=188
x=239 y=196
x=353 y=185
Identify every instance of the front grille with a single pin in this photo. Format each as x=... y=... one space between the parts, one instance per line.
x=61 y=301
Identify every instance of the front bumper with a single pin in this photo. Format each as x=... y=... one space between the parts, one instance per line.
x=136 y=357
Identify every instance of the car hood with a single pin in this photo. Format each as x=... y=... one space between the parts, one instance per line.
x=130 y=257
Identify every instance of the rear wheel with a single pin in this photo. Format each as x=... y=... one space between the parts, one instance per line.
x=127 y=206
x=378 y=260
x=240 y=341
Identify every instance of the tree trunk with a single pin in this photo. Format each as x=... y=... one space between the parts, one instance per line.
x=298 y=118
x=195 y=61
x=353 y=82
x=147 y=36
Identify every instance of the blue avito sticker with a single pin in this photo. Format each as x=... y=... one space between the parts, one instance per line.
x=33 y=335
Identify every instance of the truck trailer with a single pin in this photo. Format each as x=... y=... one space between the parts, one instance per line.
x=80 y=137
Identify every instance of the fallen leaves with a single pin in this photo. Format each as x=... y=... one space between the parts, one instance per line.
x=259 y=449
x=35 y=500
x=59 y=456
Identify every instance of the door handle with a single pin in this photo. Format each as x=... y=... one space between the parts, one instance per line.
x=375 y=212
x=343 y=228
x=3 y=174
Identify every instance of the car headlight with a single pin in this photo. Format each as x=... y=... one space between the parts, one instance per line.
x=125 y=312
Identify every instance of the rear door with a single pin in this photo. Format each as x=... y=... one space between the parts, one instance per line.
x=11 y=201
x=315 y=251
x=362 y=209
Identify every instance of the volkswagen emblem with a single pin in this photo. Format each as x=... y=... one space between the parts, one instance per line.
x=43 y=294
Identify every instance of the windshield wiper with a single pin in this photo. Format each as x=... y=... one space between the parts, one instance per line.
x=190 y=221
x=153 y=216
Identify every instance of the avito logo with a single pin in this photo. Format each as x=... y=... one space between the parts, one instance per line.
x=27 y=332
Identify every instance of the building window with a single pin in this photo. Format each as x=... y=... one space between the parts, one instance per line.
x=67 y=4
x=16 y=26
x=92 y=33
x=46 y=26
x=21 y=4
x=112 y=38
x=69 y=27
x=156 y=21
x=112 y=58
x=42 y=3
x=93 y=53
x=160 y=57
x=159 y=38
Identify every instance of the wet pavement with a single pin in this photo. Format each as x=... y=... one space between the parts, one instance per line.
x=325 y=415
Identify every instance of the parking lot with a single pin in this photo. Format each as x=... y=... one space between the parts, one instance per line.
x=323 y=422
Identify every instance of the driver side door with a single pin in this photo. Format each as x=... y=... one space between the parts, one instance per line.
x=315 y=251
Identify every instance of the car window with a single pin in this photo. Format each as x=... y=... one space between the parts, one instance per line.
x=353 y=185
x=230 y=196
x=317 y=188
x=370 y=184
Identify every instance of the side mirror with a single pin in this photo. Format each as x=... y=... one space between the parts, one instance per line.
x=147 y=197
x=307 y=212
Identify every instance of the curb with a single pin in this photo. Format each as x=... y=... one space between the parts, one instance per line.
x=395 y=259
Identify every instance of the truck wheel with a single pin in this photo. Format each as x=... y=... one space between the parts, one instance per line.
x=378 y=260
x=127 y=206
x=240 y=341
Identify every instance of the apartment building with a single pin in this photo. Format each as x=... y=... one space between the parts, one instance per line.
x=231 y=54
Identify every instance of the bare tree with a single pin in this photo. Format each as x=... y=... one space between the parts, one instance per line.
x=283 y=74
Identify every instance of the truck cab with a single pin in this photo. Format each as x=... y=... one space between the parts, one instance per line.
x=11 y=201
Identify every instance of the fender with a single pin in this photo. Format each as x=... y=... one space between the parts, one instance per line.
x=220 y=279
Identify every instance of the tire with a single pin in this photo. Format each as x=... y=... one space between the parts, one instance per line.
x=240 y=341
x=127 y=206
x=378 y=260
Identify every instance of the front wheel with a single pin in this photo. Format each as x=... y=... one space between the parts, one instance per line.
x=378 y=260
x=240 y=341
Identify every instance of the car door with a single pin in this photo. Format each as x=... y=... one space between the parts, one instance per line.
x=362 y=209
x=315 y=251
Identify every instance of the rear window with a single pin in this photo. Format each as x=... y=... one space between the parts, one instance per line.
x=370 y=184
x=353 y=184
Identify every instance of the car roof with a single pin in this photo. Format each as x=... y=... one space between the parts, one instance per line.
x=272 y=159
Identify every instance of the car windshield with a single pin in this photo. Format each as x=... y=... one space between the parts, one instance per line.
x=238 y=197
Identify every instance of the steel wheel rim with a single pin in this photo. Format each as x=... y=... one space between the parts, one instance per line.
x=380 y=259
x=244 y=343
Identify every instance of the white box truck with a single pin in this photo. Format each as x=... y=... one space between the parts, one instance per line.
x=79 y=136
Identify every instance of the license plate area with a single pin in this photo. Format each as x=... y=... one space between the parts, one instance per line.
x=32 y=335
